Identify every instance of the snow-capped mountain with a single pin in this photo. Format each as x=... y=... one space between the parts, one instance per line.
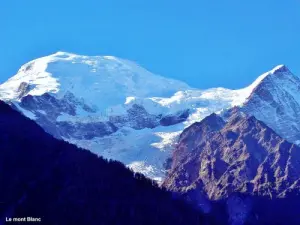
x=119 y=110
x=276 y=101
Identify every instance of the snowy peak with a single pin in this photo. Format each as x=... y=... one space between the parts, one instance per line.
x=279 y=72
x=97 y=78
x=280 y=69
x=279 y=77
x=275 y=100
x=63 y=54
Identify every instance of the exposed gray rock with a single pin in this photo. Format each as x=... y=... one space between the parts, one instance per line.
x=47 y=109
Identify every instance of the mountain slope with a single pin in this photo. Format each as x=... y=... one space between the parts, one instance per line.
x=120 y=111
x=276 y=101
x=46 y=178
x=216 y=160
x=85 y=99
x=241 y=155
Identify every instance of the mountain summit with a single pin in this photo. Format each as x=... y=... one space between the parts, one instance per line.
x=276 y=101
x=100 y=80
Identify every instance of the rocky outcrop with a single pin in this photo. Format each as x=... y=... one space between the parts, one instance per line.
x=215 y=160
x=242 y=155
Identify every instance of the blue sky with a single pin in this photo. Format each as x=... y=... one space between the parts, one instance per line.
x=204 y=43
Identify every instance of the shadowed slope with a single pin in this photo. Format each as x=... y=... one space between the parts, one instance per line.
x=44 y=177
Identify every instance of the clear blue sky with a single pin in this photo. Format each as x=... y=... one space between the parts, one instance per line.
x=205 y=43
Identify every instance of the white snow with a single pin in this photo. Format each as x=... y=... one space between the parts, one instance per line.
x=101 y=81
x=107 y=82
x=143 y=150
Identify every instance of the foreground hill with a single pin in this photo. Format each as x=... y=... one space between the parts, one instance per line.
x=46 y=178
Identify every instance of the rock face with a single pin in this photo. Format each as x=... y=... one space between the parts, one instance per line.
x=216 y=160
x=242 y=155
